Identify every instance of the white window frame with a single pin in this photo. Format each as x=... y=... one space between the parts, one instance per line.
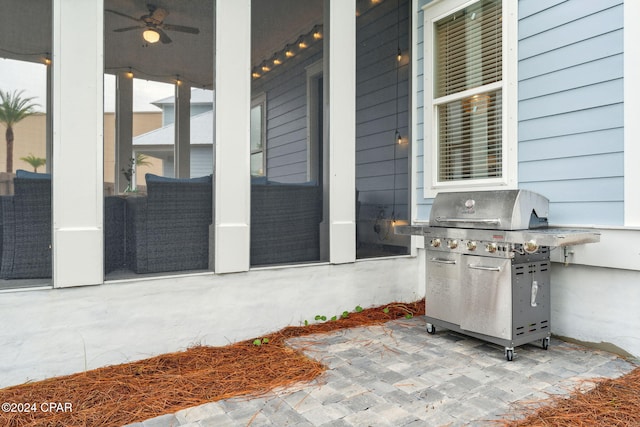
x=261 y=99
x=433 y=12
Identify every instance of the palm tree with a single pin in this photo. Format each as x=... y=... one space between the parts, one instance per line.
x=34 y=161
x=13 y=108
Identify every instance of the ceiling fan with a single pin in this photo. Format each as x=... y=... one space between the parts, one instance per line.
x=154 y=25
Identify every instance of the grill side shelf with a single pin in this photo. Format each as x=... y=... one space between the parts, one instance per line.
x=554 y=237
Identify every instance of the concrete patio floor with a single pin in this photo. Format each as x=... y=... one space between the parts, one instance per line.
x=398 y=375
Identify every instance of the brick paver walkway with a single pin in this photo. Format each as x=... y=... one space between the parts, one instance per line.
x=398 y=375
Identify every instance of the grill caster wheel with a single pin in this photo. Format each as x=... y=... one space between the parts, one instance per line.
x=508 y=352
x=431 y=329
x=545 y=343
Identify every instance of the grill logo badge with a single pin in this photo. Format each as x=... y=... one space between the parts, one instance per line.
x=470 y=206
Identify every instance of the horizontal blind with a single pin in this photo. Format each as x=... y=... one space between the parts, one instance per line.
x=470 y=137
x=468 y=48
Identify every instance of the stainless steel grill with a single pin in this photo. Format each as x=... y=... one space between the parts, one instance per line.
x=488 y=265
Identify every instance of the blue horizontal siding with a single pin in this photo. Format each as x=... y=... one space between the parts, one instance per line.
x=583 y=98
x=527 y=8
x=423 y=205
x=581 y=52
x=553 y=14
x=573 y=77
x=570 y=108
x=569 y=191
x=573 y=31
x=594 y=119
x=571 y=168
x=382 y=106
x=579 y=144
x=591 y=213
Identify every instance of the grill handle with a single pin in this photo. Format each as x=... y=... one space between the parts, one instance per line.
x=483 y=268
x=492 y=221
x=443 y=261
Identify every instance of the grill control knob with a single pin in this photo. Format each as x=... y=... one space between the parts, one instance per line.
x=530 y=247
x=472 y=245
x=491 y=247
x=452 y=244
x=435 y=243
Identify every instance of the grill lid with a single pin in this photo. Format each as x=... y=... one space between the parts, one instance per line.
x=490 y=210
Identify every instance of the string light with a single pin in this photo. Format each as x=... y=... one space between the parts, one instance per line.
x=290 y=50
x=317 y=34
x=130 y=73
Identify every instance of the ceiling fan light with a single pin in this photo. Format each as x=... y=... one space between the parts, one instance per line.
x=151 y=36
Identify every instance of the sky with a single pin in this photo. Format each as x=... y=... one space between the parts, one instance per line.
x=31 y=77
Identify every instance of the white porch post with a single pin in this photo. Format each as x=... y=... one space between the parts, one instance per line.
x=77 y=142
x=232 y=126
x=631 y=111
x=124 y=129
x=182 y=147
x=49 y=121
x=342 y=130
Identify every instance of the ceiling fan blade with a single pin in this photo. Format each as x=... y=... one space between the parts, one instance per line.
x=121 y=30
x=181 y=28
x=115 y=12
x=164 y=38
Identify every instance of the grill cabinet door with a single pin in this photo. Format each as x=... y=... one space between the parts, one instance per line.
x=443 y=286
x=486 y=296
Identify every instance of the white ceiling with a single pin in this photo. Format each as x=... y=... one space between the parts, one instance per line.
x=25 y=33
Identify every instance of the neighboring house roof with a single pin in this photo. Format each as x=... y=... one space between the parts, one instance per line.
x=198 y=96
x=201 y=133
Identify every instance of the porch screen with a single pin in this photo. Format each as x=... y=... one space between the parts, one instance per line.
x=468 y=92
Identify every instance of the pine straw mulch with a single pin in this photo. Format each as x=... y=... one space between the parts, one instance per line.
x=132 y=392
x=127 y=393
x=611 y=403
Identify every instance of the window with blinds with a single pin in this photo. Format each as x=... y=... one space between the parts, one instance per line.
x=468 y=92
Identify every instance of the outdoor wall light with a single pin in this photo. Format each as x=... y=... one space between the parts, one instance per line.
x=150 y=35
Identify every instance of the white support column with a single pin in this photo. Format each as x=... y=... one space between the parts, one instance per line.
x=77 y=142
x=631 y=113
x=232 y=126
x=182 y=146
x=49 y=120
x=124 y=129
x=342 y=130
